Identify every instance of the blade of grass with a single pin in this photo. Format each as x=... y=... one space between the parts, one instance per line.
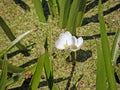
x=10 y=34
x=64 y=12
x=11 y=68
x=101 y=73
x=39 y=10
x=13 y=43
x=48 y=72
x=3 y=78
x=21 y=75
x=52 y=4
x=72 y=16
x=39 y=68
x=115 y=47
x=106 y=51
x=81 y=13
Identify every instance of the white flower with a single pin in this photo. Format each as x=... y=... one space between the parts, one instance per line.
x=77 y=43
x=64 y=41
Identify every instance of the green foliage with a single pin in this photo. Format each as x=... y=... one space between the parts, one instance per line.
x=10 y=34
x=38 y=71
x=11 y=68
x=71 y=24
x=3 y=78
x=48 y=72
x=39 y=10
x=80 y=14
x=115 y=48
x=20 y=75
x=13 y=43
x=64 y=12
x=106 y=51
x=101 y=72
x=71 y=14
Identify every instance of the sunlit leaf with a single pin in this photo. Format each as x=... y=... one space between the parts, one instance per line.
x=20 y=75
x=81 y=13
x=39 y=68
x=106 y=51
x=115 y=47
x=39 y=10
x=13 y=43
x=3 y=78
x=11 y=68
x=101 y=83
x=64 y=12
x=10 y=34
x=71 y=24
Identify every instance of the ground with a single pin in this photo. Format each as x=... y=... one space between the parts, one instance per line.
x=81 y=76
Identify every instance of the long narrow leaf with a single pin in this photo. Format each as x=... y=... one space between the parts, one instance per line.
x=10 y=34
x=39 y=68
x=11 y=68
x=101 y=73
x=48 y=72
x=21 y=75
x=39 y=10
x=81 y=12
x=13 y=43
x=53 y=7
x=72 y=16
x=64 y=12
x=3 y=78
x=106 y=51
x=115 y=48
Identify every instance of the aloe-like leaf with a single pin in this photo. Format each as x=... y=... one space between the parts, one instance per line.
x=81 y=12
x=11 y=68
x=3 y=78
x=115 y=48
x=101 y=73
x=10 y=34
x=106 y=51
x=13 y=43
x=39 y=68
x=39 y=10
x=64 y=12
x=72 y=16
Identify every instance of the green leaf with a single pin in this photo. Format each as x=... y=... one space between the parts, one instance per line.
x=13 y=43
x=3 y=78
x=81 y=13
x=64 y=12
x=101 y=73
x=52 y=4
x=48 y=72
x=39 y=10
x=11 y=68
x=115 y=48
x=106 y=51
x=21 y=75
x=71 y=24
x=39 y=68
x=10 y=34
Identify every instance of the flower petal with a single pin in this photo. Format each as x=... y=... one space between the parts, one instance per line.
x=79 y=42
x=59 y=44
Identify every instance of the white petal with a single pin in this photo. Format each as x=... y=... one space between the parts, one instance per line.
x=59 y=45
x=79 y=42
x=74 y=40
x=65 y=35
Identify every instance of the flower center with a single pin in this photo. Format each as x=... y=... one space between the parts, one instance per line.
x=66 y=45
x=74 y=47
